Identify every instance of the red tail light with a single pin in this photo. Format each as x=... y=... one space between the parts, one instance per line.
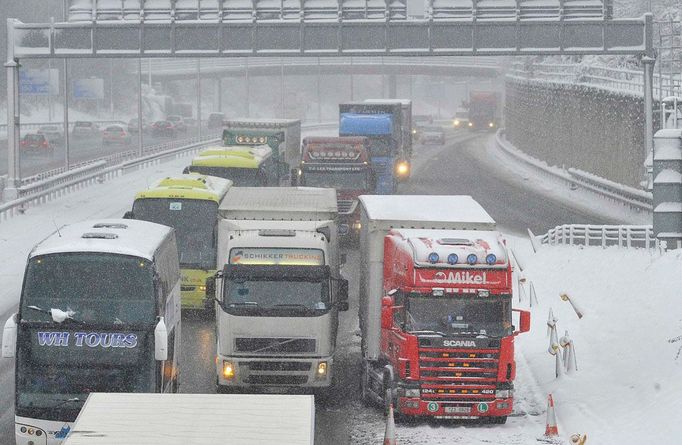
x=44 y=143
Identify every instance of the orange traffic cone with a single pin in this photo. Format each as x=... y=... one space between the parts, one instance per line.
x=389 y=435
x=551 y=428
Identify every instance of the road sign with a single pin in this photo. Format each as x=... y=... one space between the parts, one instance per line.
x=39 y=82
x=92 y=88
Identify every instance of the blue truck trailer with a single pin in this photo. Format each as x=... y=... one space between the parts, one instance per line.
x=382 y=124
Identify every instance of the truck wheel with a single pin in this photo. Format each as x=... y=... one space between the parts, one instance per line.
x=387 y=384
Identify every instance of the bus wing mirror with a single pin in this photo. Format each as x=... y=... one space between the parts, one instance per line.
x=161 y=341
x=128 y=215
x=185 y=170
x=524 y=321
x=343 y=306
x=210 y=288
x=9 y=337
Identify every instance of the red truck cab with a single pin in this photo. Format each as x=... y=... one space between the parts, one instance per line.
x=341 y=163
x=447 y=339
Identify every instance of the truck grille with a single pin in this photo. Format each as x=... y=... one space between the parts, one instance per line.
x=277 y=379
x=278 y=366
x=270 y=346
x=458 y=374
x=346 y=206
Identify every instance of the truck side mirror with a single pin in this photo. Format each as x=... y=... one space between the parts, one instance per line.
x=185 y=170
x=386 y=312
x=128 y=215
x=343 y=290
x=9 y=337
x=343 y=259
x=161 y=341
x=524 y=321
x=294 y=177
x=343 y=306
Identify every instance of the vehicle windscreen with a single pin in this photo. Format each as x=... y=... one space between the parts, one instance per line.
x=277 y=290
x=96 y=287
x=380 y=146
x=240 y=177
x=459 y=315
x=340 y=180
x=433 y=130
x=194 y=221
x=58 y=367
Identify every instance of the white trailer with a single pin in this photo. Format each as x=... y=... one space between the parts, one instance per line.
x=279 y=291
x=381 y=213
x=194 y=419
x=282 y=135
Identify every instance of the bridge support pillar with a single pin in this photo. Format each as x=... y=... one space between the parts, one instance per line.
x=219 y=93
x=668 y=187
x=11 y=191
x=392 y=86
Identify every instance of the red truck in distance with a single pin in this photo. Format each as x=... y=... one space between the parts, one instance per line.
x=341 y=163
x=447 y=340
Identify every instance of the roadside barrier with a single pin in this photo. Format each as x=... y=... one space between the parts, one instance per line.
x=577 y=439
x=574 y=304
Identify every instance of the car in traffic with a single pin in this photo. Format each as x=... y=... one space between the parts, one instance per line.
x=53 y=133
x=215 y=120
x=432 y=135
x=116 y=134
x=85 y=129
x=419 y=121
x=163 y=128
x=133 y=126
x=178 y=122
x=36 y=143
x=461 y=118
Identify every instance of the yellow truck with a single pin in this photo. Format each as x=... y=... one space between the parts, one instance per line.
x=188 y=203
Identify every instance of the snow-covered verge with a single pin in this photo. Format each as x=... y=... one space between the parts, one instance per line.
x=629 y=379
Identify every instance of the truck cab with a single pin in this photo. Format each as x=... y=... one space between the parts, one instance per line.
x=341 y=163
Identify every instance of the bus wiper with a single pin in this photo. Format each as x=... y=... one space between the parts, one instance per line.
x=244 y=303
x=62 y=402
x=58 y=315
x=427 y=331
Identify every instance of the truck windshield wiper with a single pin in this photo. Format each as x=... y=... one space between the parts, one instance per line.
x=293 y=305
x=244 y=303
x=428 y=332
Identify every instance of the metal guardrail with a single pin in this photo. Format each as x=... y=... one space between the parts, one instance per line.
x=611 y=79
x=628 y=196
x=99 y=171
x=604 y=236
x=36 y=125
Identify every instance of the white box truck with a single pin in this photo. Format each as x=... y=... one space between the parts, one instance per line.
x=194 y=419
x=381 y=213
x=278 y=291
x=282 y=135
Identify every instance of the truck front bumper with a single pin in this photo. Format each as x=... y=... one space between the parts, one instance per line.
x=274 y=372
x=455 y=409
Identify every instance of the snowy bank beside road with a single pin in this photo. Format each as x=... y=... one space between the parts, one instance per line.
x=628 y=384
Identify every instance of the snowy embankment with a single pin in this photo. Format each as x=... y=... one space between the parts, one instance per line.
x=629 y=379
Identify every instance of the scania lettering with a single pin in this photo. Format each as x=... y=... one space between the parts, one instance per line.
x=343 y=164
x=283 y=136
x=436 y=308
x=279 y=289
x=99 y=312
x=189 y=204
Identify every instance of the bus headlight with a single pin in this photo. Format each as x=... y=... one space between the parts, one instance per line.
x=202 y=288
x=228 y=370
x=321 y=370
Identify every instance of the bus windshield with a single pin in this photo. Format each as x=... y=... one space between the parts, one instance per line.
x=459 y=316
x=241 y=177
x=194 y=222
x=57 y=368
x=96 y=287
x=340 y=180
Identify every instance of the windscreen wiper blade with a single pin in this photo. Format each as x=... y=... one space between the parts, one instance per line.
x=243 y=303
x=427 y=331
x=293 y=305
x=58 y=315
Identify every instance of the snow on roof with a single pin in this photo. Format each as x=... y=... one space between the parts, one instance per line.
x=390 y=101
x=253 y=238
x=668 y=176
x=279 y=199
x=243 y=121
x=460 y=242
x=425 y=208
x=189 y=186
x=120 y=236
x=669 y=207
x=669 y=151
x=146 y=419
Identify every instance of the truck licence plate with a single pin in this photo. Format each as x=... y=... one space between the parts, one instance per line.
x=457 y=409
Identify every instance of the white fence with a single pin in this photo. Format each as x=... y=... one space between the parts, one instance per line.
x=596 y=235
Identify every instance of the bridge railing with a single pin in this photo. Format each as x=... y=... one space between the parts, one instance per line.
x=612 y=79
x=604 y=236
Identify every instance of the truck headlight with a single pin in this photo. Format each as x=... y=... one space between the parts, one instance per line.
x=412 y=392
x=357 y=225
x=491 y=124
x=504 y=393
x=321 y=370
x=228 y=370
x=402 y=168
x=471 y=124
x=457 y=123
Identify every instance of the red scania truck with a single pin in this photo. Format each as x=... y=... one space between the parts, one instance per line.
x=341 y=163
x=436 y=308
